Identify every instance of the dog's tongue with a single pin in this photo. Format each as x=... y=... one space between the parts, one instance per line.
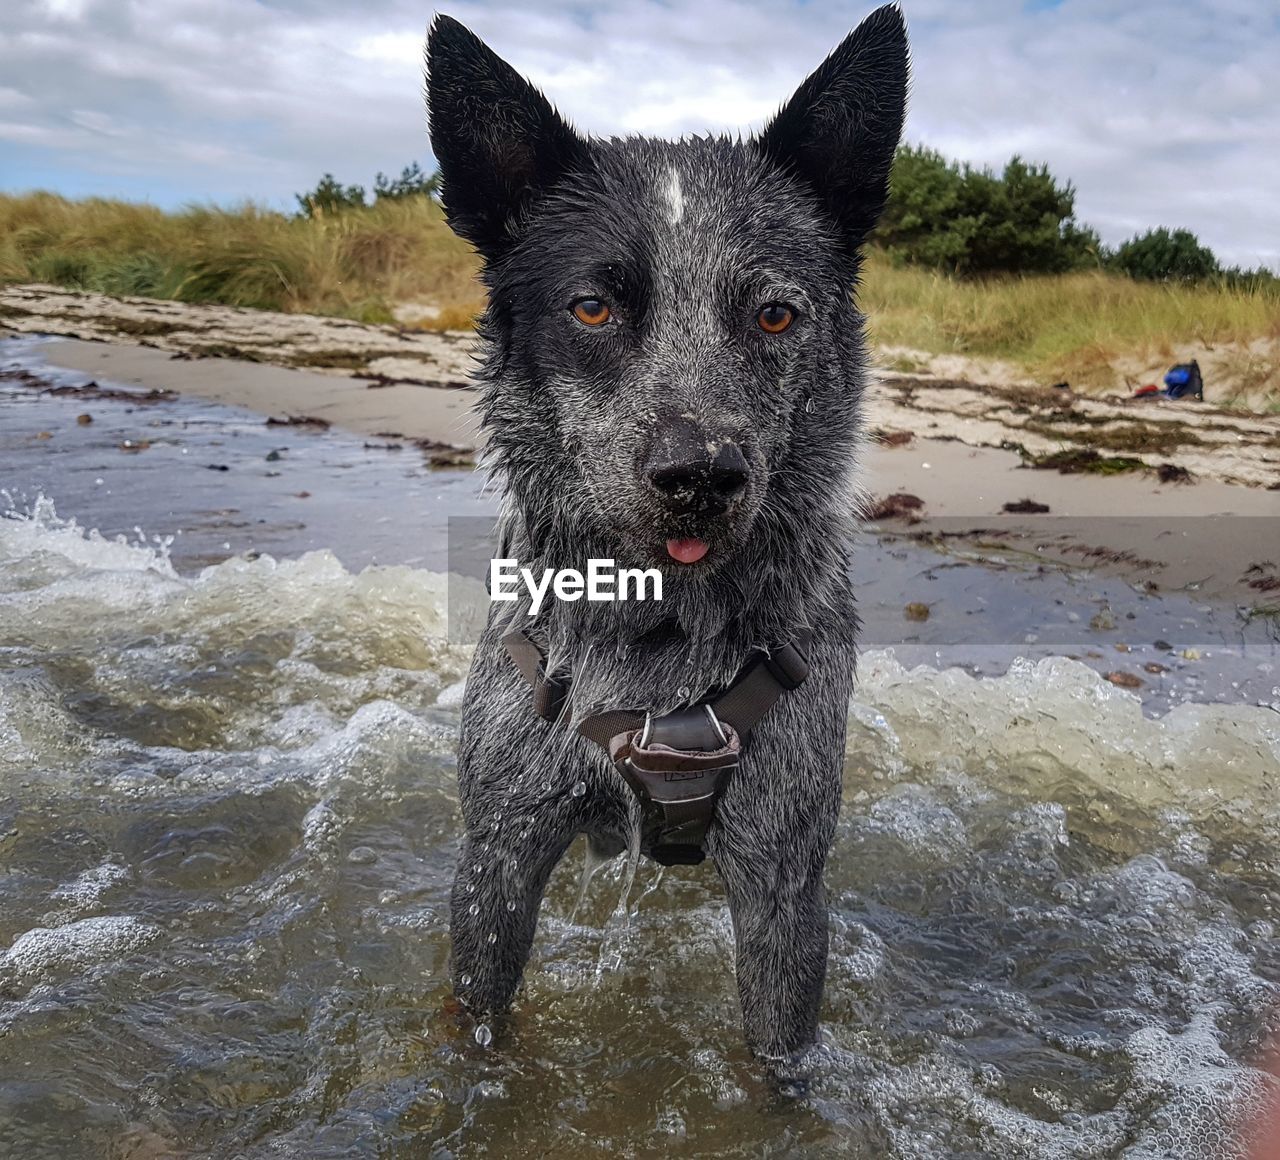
x=686 y=551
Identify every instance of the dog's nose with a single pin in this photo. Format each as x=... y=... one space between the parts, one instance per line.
x=704 y=481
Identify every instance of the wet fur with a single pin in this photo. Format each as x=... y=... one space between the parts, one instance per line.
x=685 y=240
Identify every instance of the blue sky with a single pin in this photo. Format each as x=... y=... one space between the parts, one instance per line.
x=1161 y=112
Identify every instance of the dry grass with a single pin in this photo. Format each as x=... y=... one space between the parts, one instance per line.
x=356 y=264
x=362 y=263
x=1072 y=326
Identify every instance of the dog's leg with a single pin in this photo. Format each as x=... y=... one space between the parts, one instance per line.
x=501 y=876
x=779 y=914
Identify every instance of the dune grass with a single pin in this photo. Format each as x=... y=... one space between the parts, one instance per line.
x=355 y=264
x=1071 y=326
x=361 y=263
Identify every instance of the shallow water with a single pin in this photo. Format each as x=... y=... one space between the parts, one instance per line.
x=227 y=825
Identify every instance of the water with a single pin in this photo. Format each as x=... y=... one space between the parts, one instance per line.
x=228 y=819
x=218 y=479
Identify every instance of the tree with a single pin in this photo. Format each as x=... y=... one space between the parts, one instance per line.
x=330 y=196
x=1162 y=255
x=412 y=182
x=973 y=221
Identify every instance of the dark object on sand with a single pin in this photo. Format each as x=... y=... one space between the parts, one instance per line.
x=1026 y=507
x=1063 y=386
x=899 y=506
x=298 y=421
x=1184 y=382
x=1124 y=680
x=890 y=438
x=1172 y=473
x=445 y=454
x=916 y=611
x=1084 y=459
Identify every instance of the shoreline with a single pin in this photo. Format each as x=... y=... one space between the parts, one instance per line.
x=1157 y=536
x=953 y=397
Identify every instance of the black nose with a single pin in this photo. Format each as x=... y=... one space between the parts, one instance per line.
x=697 y=476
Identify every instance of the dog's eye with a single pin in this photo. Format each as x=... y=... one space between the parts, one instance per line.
x=775 y=318
x=591 y=312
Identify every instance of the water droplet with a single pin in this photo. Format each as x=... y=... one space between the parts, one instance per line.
x=808 y=405
x=474 y=908
x=484 y=1036
x=466 y=980
x=579 y=789
x=493 y=937
x=684 y=692
x=511 y=906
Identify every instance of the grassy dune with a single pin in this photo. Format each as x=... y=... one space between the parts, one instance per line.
x=1078 y=326
x=361 y=264
x=356 y=264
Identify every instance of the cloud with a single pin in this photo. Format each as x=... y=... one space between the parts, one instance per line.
x=1159 y=113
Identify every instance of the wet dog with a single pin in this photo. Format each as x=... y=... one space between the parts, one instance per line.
x=672 y=377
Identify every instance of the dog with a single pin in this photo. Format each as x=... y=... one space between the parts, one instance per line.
x=671 y=376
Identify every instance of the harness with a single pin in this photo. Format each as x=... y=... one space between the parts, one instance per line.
x=679 y=763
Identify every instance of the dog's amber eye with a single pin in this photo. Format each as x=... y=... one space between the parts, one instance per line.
x=591 y=311
x=775 y=318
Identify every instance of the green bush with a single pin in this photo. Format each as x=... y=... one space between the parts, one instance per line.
x=1164 y=255
x=412 y=182
x=974 y=222
x=330 y=196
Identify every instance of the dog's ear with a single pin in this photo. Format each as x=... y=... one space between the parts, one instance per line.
x=497 y=139
x=841 y=128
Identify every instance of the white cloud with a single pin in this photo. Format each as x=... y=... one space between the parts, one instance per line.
x=1159 y=113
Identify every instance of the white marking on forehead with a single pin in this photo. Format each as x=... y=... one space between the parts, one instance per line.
x=674 y=196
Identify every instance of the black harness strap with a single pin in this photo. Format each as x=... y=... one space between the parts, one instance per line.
x=679 y=763
x=550 y=696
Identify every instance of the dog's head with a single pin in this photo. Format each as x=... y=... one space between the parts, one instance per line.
x=673 y=345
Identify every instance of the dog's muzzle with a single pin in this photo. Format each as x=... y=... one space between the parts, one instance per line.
x=694 y=472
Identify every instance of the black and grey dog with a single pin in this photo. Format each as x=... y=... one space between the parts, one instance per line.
x=672 y=376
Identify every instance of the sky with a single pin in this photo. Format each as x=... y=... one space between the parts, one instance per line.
x=1160 y=112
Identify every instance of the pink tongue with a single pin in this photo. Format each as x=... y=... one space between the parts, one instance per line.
x=686 y=551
